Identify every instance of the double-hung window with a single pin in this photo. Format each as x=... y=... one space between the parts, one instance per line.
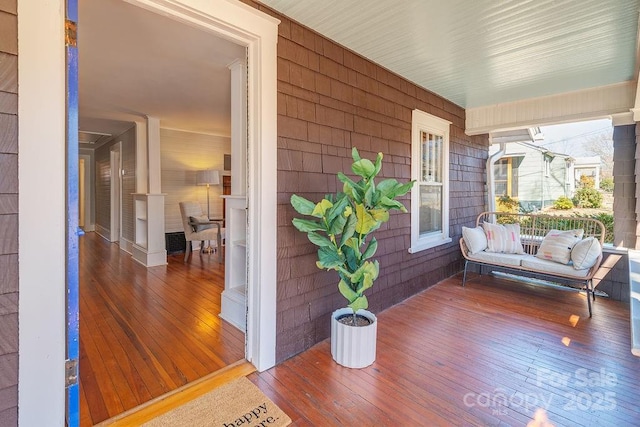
x=430 y=170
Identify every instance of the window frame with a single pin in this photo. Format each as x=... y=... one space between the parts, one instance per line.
x=421 y=121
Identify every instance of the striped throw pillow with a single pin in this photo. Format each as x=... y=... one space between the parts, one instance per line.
x=556 y=245
x=503 y=238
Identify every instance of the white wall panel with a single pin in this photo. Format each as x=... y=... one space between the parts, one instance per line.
x=181 y=155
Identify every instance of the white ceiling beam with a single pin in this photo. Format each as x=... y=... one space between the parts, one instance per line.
x=567 y=107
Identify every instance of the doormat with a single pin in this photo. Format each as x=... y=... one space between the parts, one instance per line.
x=236 y=404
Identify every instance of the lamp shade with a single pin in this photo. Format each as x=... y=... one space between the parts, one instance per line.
x=208 y=176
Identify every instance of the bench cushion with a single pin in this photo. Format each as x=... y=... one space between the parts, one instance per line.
x=512 y=260
x=552 y=267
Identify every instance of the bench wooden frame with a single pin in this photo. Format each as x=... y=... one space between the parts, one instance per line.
x=533 y=228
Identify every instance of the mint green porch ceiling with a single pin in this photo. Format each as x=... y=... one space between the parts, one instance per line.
x=483 y=52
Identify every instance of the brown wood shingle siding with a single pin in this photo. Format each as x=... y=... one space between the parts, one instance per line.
x=8 y=213
x=329 y=100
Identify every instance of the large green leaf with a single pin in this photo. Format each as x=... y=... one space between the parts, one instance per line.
x=337 y=225
x=319 y=239
x=346 y=291
x=306 y=225
x=371 y=249
x=378 y=164
x=392 y=204
x=366 y=276
x=329 y=258
x=351 y=257
x=350 y=188
x=321 y=207
x=368 y=194
x=337 y=208
x=354 y=154
x=363 y=168
x=348 y=230
x=302 y=205
x=387 y=186
x=392 y=188
x=402 y=189
x=381 y=215
x=365 y=221
x=359 y=303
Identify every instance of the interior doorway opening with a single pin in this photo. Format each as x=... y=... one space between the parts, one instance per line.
x=144 y=331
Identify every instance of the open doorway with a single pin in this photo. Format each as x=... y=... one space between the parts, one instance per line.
x=144 y=331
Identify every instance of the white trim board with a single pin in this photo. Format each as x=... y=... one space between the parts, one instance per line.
x=41 y=117
x=567 y=107
x=257 y=31
x=41 y=71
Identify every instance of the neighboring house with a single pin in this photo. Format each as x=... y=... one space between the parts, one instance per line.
x=533 y=175
x=587 y=166
x=310 y=101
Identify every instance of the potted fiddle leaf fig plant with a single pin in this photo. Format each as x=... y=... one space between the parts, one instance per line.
x=341 y=225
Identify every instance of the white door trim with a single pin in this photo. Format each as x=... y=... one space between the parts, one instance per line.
x=41 y=141
x=115 y=164
x=42 y=171
x=257 y=31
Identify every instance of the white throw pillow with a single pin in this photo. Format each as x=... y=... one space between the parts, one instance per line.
x=503 y=238
x=199 y=223
x=585 y=253
x=475 y=239
x=556 y=245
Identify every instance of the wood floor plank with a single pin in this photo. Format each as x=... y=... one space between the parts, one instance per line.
x=180 y=396
x=490 y=353
x=147 y=331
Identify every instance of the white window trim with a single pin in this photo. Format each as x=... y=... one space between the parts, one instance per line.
x=422 y=121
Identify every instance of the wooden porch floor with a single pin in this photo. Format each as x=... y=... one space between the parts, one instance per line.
x=491 y=353
x=145 y=332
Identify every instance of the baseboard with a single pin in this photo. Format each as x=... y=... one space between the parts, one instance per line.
x=126 y=245
x=148 y=259
x=103 y=232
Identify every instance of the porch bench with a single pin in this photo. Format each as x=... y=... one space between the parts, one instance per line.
x=533 y=229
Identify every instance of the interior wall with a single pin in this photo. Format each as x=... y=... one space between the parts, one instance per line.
x=103 y=184
x=90 y=179
x=8 y=213
x=181 y=155
x=128 y=161
x=329 y=100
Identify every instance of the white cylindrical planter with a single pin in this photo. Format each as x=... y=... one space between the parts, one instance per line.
x=353 y=346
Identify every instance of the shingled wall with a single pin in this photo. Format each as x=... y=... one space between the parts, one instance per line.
x=8 y=213
x=329 y=100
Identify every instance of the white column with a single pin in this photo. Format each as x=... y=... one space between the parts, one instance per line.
x=153 y=141
x=142 y=170
x=238 y=127
x=149 y=246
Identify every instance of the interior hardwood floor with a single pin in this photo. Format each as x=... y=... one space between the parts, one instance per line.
x=145 y=332
x=491 y=353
